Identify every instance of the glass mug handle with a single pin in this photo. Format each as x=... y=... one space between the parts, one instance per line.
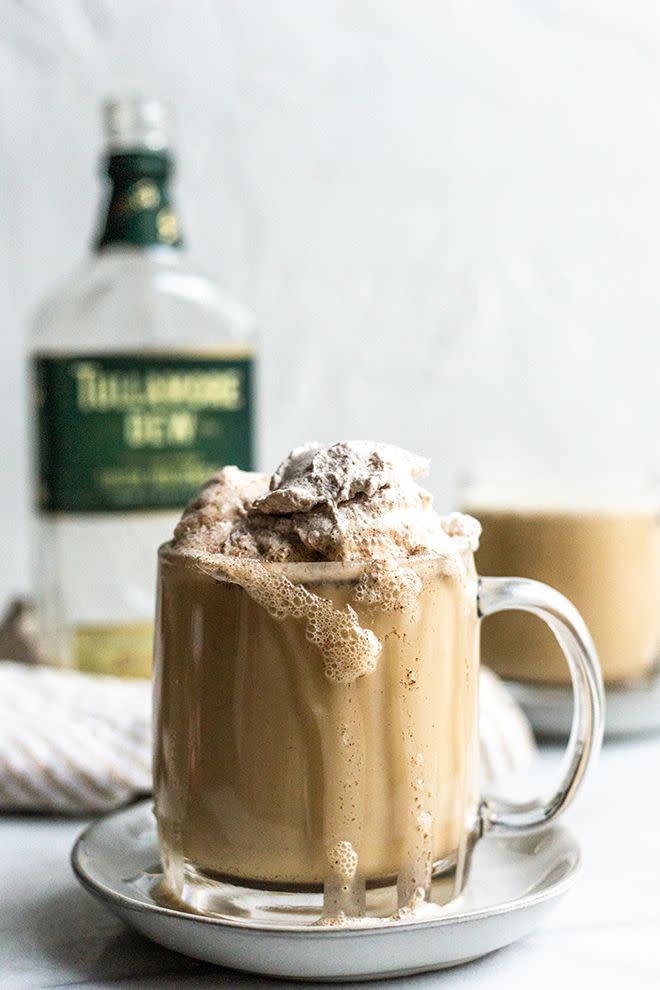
x=499 y=594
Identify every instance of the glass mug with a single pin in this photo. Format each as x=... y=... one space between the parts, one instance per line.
x=598 y=542
x=288 y=791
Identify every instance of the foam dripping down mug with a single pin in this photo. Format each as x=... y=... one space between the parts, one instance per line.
x=316 y=733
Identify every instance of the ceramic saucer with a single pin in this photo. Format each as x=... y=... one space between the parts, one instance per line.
x=514 y=883
x=631 y=709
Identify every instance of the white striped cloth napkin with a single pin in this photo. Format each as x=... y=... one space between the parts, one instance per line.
x=71 y=742
x=74 y=743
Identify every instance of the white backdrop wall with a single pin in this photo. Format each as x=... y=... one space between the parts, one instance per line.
x=446 y=215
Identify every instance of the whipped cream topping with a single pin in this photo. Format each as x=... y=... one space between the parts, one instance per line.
x=353 y=500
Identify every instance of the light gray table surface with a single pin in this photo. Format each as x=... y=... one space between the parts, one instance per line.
x=605 y=933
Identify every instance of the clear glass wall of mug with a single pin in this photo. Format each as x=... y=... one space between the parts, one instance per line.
x=597 y=540
x=316 y=763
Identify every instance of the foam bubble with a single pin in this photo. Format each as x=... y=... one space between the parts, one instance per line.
x=389 y=586
x=343 y=860
x=412 y=908
x=349 y=651
x=424 y=822
x=458 y=524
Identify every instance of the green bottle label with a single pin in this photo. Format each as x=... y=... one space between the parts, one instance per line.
x=131 y=432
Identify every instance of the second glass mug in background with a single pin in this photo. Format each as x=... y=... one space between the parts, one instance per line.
x=286 y=793
x=598 y=542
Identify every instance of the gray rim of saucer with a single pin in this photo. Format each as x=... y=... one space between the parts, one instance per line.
x=509 y=907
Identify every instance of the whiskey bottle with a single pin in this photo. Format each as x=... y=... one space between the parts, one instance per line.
x=143 y=385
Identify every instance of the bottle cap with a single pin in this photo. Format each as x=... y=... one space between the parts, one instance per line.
x=135 y=122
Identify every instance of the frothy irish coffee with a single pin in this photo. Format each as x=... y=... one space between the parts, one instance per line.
x=316 y=681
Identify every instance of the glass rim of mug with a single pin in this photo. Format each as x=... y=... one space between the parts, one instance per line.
x=318 y=571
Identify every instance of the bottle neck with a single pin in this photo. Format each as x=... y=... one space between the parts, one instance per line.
x=139 y=211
